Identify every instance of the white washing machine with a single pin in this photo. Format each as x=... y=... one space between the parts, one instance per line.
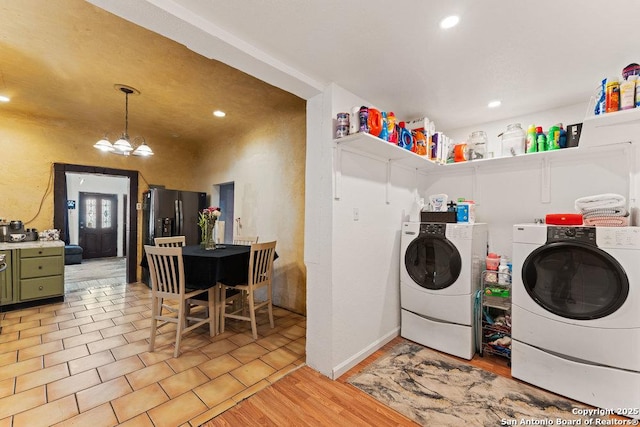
x=440 y=270
x=576 y=312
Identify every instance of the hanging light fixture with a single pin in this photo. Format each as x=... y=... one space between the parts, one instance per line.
x=125 y=146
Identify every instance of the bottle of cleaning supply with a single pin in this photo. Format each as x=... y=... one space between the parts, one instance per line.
x=563 y=137
x=612 y=95
x=504 y=278
x=384 y=131
x=553 y=138
x=541 y=139
x=627 y=93
x=531 y=143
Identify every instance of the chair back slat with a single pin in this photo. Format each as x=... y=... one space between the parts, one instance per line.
x=173 y=241
x=245 y=240
x=166 y=269
x=261 y=262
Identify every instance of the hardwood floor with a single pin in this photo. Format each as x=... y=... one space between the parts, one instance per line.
x=308 y=398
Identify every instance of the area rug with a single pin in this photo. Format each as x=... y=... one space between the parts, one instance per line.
x=436 y=390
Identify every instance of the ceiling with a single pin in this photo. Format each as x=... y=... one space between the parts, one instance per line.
x=533 y=56
x=61 y=59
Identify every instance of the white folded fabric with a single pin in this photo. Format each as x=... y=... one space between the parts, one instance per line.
x=599 y=201
x=609 y=212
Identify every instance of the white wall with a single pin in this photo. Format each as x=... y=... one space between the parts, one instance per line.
x=89 y=183
x=512 y=191
x=352 y=265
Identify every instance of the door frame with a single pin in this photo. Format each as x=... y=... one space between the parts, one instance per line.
x=60 y=207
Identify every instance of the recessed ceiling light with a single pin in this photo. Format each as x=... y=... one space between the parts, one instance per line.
x=4 y=98
x=494 y=104
x=219 y=113
x=449 y=21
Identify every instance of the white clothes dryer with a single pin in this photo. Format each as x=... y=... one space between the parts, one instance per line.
x=576 y=312
x=440 y=270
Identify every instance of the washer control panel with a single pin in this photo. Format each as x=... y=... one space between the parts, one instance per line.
x=436 y=229
x=574 y=234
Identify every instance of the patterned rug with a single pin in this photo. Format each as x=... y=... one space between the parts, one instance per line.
x=436 y=390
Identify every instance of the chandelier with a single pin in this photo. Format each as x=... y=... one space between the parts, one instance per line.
x=124 y=145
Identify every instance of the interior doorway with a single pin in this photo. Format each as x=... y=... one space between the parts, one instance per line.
x=226 y=194
x=130 y=230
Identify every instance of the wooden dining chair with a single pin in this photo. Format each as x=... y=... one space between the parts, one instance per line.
x=233 y=297
x=260 y=276
x=172 y=242
x=246 y=240
x=166 y=269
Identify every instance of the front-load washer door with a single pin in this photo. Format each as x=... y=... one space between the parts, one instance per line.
x=432 y=262
x=575 y=281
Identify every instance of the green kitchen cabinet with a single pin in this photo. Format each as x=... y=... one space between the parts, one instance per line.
x=6 y=279
x=34 y=271
x=41 y=272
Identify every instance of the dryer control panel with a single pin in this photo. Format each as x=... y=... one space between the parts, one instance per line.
x=574 y=234
x=435 y=229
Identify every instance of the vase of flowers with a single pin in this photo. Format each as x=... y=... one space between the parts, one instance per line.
x=207 y=221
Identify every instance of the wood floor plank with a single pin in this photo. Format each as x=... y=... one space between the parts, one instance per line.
x=308 y=398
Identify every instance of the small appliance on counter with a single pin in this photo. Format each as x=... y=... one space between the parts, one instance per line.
x=14 y=231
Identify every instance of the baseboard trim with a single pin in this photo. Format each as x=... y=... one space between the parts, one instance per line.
x=343 y=367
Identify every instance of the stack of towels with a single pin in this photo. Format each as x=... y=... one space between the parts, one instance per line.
x=604 y=210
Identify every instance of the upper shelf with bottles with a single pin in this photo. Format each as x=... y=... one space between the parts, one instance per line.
x=367 y=143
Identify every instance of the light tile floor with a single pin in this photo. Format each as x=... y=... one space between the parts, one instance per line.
x=85 y=361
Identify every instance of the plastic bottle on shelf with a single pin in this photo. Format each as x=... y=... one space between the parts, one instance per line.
x=612 y=95
x=531 y=144
x=504 y=276
x=364 y=119
x=384 y=131
x=392 y=128
x=628 y=93
x=553 y=138
x=563 y=137
x=541 y=139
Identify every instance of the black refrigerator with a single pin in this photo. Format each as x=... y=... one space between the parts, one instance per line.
x=171 y=213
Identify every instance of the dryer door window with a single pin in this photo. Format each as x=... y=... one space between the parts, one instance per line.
x=575 y=281
x=433 y=263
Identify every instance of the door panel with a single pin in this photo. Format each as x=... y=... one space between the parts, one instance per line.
x=98 y=222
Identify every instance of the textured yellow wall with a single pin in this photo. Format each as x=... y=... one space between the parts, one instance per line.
x=267 y=165
x=275 y=148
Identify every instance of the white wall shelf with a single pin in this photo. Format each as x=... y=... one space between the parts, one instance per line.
x=367 y=143
x=611 y=128
x=371 y=146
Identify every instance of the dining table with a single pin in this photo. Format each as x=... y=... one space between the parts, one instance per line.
x=206 y=268
x=227 y=264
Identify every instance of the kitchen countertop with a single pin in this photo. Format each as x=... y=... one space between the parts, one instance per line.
x=31 y=245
